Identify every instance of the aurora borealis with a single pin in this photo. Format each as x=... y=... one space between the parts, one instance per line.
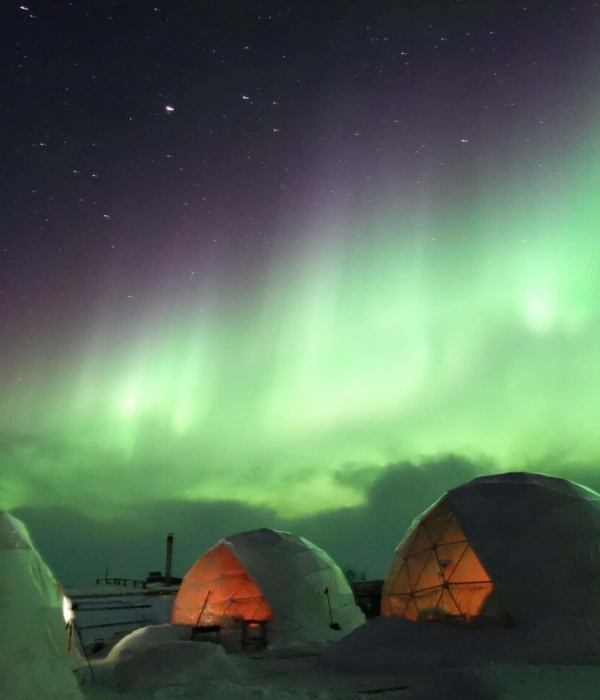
x=360 y=235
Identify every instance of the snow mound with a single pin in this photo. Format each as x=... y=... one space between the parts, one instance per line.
x=161 y=658
x=148 y=637
x=391 y=644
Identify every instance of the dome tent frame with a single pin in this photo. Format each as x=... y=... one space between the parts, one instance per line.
x=531 y=544
x=437 y=574
x=271 y=577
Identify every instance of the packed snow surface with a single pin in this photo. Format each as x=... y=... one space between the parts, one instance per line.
x=386 y=644
x=388 y=658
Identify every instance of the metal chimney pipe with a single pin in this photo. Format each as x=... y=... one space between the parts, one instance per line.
x=169 y=562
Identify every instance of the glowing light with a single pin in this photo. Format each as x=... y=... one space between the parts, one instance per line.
x=183 y=421
x=129 y=404
x=67 y=610
x=540 y=313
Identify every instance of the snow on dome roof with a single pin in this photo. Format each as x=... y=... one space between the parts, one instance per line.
x=285 y=577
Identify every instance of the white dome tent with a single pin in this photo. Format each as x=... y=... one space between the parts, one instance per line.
x=514 y=546
x=272 y=577
x=34 y=661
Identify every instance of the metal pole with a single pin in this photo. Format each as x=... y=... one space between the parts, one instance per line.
x=169 y=562
x=332 y=624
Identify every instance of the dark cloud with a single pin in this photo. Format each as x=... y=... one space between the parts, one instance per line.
x=365 y=537
x=132 y=543
x=78 y=547
x=356 y=476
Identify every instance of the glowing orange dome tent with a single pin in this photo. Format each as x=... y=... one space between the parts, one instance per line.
x=510 y=546
x=218 y=590
x=268 y=576
x=436 y=573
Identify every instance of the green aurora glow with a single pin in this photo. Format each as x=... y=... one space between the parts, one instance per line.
x=471 y=328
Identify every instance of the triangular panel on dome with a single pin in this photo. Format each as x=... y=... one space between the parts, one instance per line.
x=449 y=605
x=416 y=565
x=468 y=568
x=452 y=533
x=431 y=575
x=402 y=579
x=449 y=557
x=437 y=522
x=420 y=541
x=471 y=598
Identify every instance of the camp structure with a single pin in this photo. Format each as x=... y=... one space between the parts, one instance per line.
x=281 y=583
x=500 y=549
x=34 y=659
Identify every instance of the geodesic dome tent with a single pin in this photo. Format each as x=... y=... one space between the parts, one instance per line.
x=268 y=576
x=510 y=546
x=34 y=661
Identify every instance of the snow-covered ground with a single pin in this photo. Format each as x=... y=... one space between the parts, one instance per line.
x=387 y=658
x=163 y=662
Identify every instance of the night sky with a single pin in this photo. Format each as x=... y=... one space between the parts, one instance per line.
x=297 y=264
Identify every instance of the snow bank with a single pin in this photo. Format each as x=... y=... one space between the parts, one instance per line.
x=160 y=663
x=162 y=656
x=149 y=637
x=390 y=656
x=509 y=682
x=524 y=682
x=389 y=644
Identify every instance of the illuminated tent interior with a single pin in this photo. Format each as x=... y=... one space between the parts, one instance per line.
x=513 y=546
x=34 y=660
x=436 y=573
x=268 y=576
